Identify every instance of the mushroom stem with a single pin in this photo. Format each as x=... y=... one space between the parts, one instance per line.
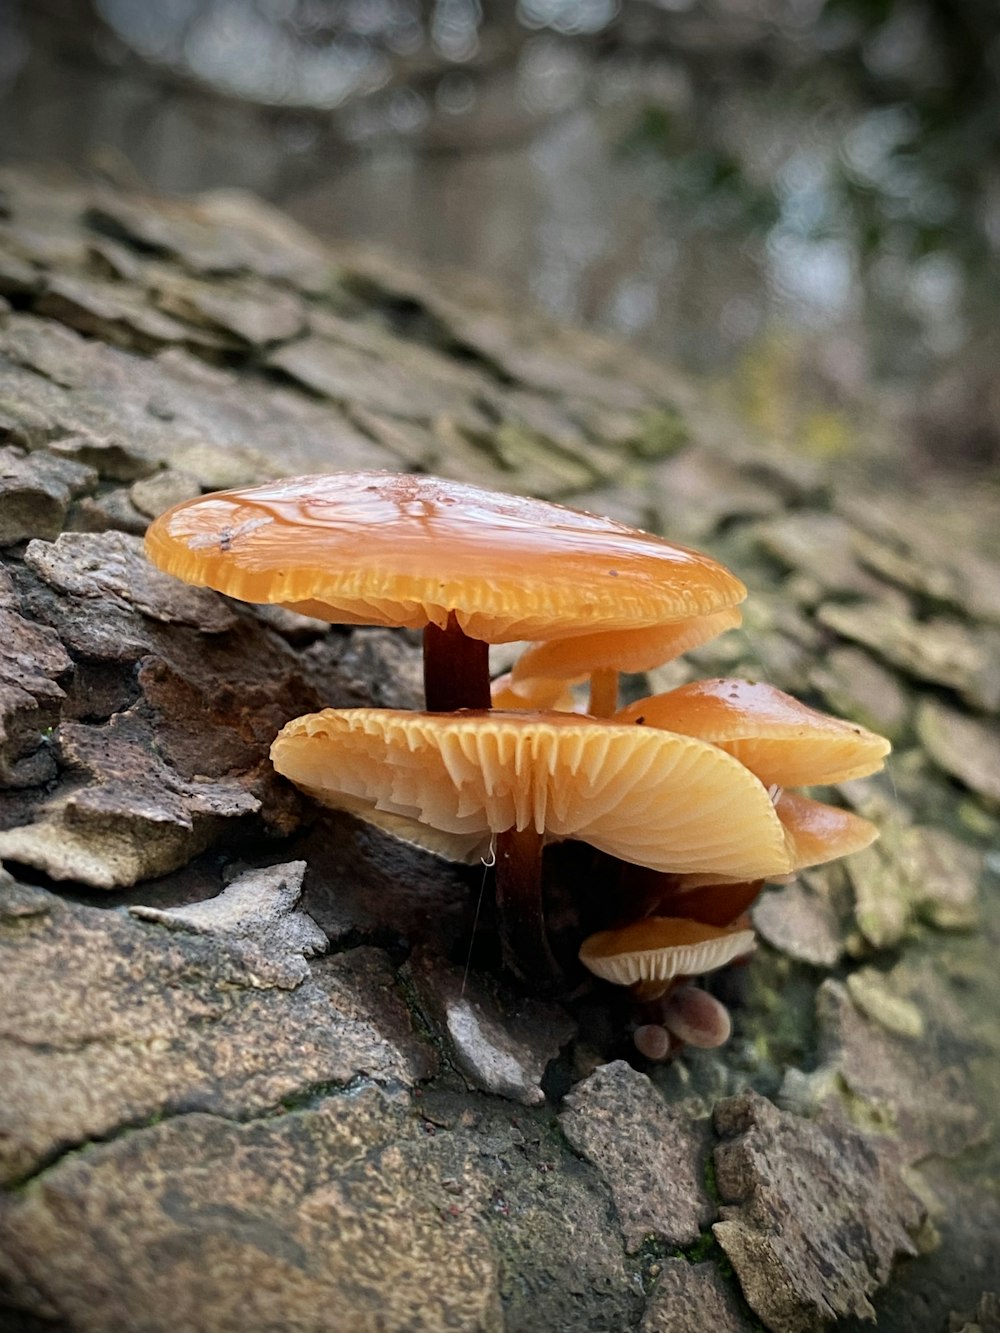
x=645 y=992
x=456 y=669
x=603 y=692
x=523 y=936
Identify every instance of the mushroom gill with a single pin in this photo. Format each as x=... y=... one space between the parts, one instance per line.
x=654 y=951
x=645 y=796
x=603 y=656
x=451 y=781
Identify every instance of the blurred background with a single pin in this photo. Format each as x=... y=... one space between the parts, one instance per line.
x=796 y=200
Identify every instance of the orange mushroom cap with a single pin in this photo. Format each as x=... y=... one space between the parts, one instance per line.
x=817 y=833
x=659 y=948
x=814 y=832
x=706 y=898
x=449 y=781
x=381 y=548
x=782 y=741
x=622 y=650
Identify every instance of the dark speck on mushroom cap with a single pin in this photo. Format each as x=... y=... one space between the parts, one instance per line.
x=403 y=549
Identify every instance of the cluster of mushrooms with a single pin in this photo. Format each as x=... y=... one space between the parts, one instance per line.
x=683 y=796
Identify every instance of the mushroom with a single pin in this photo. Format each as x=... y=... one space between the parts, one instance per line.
x=687 y=1016
x=653 y=1041
x=468 y=566
x=784 y=742
x=604 y=655
x=696 y=1018
x=451 y=782
x=817 y=833
x=653 y=957
x=647 y=955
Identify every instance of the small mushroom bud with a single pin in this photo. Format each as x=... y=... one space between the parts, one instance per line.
x=696 y=1017
x=652 y=1041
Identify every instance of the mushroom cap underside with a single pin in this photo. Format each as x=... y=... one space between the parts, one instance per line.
x=622 y=650
x=535 y=693
x=782 y=741
x=397 y=549
x=646 y=796
x=661 y=948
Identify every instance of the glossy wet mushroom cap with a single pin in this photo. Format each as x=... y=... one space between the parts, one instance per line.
x=817 y=833
x=782 y=741
x=646 y=796
x=369 y=548
x=466 y=565
x=657 y=949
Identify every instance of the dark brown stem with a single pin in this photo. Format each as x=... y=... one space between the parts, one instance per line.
x=523 y=936
x=456 y=669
